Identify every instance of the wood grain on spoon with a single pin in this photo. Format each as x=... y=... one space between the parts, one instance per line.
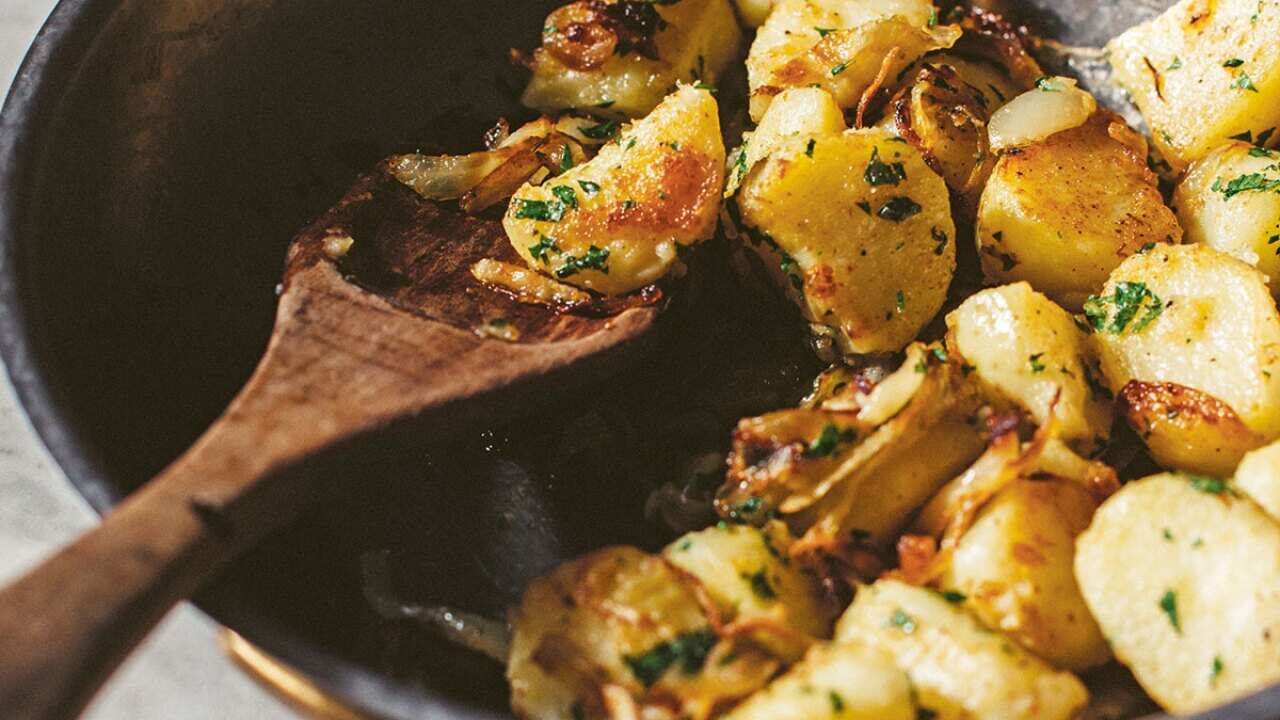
x=388 y=335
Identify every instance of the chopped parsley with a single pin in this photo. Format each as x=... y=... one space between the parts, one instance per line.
x=837 y=702
x=1233 y=63
x=748 y=507
x=1128 y=299
x=740 y=164
x=1175 y=65
x=903 y=621
x=933 y=17
x=1047 y=84
x=879 y=172
x=1036 y=365
x=546 y=211
x=839 y=69
x=594 y=259
x=829 y=441
x=823 y=32
x=1215 y=670
x=566 y=195
x=954 y=597
x=589 y=187
x=900 y=301
x=864 y=206
x=566 y=160
x=759 y=582
x=1208 y=485
x=604 y=131
x=544 y=246
x=808 y=150
x=700 y=85
x=605 y=104
x=1169 y=604
x=1250 y=182
x=899 y=209
x=1244 y=82
x=939 y=352
x=1261 y=152
x=689 y=651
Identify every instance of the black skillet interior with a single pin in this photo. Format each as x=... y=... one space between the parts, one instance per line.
x=160 y=157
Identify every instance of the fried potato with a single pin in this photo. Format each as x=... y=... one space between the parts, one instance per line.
x=1230 y=201
x=835 y=680
x=1014 y=567
x=613 y=224
x=857 y=229
x=1202 y=73
x=796 y=113
x=1199 y=330
x=617 y=627
x=1062 y=213
x=1183 y=576
x=1258 y=476
x=748 y=573
x=621 y=59
x=958 y=668
x=1027 y=350
x=843 y=46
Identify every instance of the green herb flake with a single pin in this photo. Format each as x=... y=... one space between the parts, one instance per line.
x=1047 y=84
x=566 y=195
x=545 y=211
x=1244 y=82
x=839 y=69
x=1250 y=182
x=1128 y=299
x=864 y=206
x=1036 y=365
x=899 y=209
x=829 y=441
x=688 y=651
x=879 y=172
x=1215 y=670
x=1175 y=65
x=939 y=352
x=589 y=187
x=933 y=17
x=1260 y=152
x=904 y=622
x=594 y=259
x=900 y=301
x=808 y=150
x=1208 y=485
x=544 y=246
x=604 y=131
x=606 y=104
x=954 y=597
x=700 y=85
x=1169 y=604
x=837 y=702
x=759 y=582
x=1167 y=534
x=1233 y=63
x=823 y=32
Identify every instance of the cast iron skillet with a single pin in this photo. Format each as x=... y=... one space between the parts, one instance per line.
x=155 y=159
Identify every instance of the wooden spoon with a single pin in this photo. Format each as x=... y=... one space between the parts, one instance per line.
x=386 y=335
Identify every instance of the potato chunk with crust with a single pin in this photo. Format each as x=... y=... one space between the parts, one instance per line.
x=1026 y=349
x=857 y=229
x=619 y=58
x=958 y=668
x=1014 y=567
x=1183 y=576
x=613 y=224
x=842 y=46
x=1199 y=332
x=848 y=681
x=1259 y=477
x=1230 y=201
x=1203 y=72
x=1062 y=213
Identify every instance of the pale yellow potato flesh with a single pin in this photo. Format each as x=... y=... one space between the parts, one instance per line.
x=857 y=230
x=797 y=112
x=1062 y=213
x=656 y=187
x=1014 y=566
x=848 y=681
x=839 y=45
x=1183 y=576
x=959 y=668
x=1258 y=476
x=1243 y=224
x=1202 y=73
x=700 y=40
x=746 y=570
x=1028 y=350
x=1203 y=320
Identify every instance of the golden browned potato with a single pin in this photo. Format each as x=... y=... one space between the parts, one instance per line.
x=796 y=113
x=1258 y=476
x=748 y=573
x=613 y=224
x=1029 y=351
x=1198 y=332
x=1202 y=73
x=958 y=668
x=835 y=680
x=1230 y=201
x=843 y=46
x=1183 y=575
x=852 y=471
x=620 y=629
x=621 y=58
x=1062 y=213
x=858 y=230
x=1014 y=571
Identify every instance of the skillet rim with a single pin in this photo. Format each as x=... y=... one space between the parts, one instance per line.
x=45 y=74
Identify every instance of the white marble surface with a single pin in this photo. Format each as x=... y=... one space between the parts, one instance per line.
x=179 y=674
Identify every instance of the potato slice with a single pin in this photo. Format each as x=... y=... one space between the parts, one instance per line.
x=1192 y=317
x=1259 y=477
x=797 y=112
x=1014 y=566
x=747 y=572
x=958 y=668
x=616 y=627
x=1062 y=213
x=1027 y=350
x=842 y=46
x=620 y=59
x=1183 y=576
x=613 y=224
x=1216 y=209
x=858 y=230
x=835 y=680
x=1202 y=73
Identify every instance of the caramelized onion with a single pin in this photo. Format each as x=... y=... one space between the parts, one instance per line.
x=1054 y=105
